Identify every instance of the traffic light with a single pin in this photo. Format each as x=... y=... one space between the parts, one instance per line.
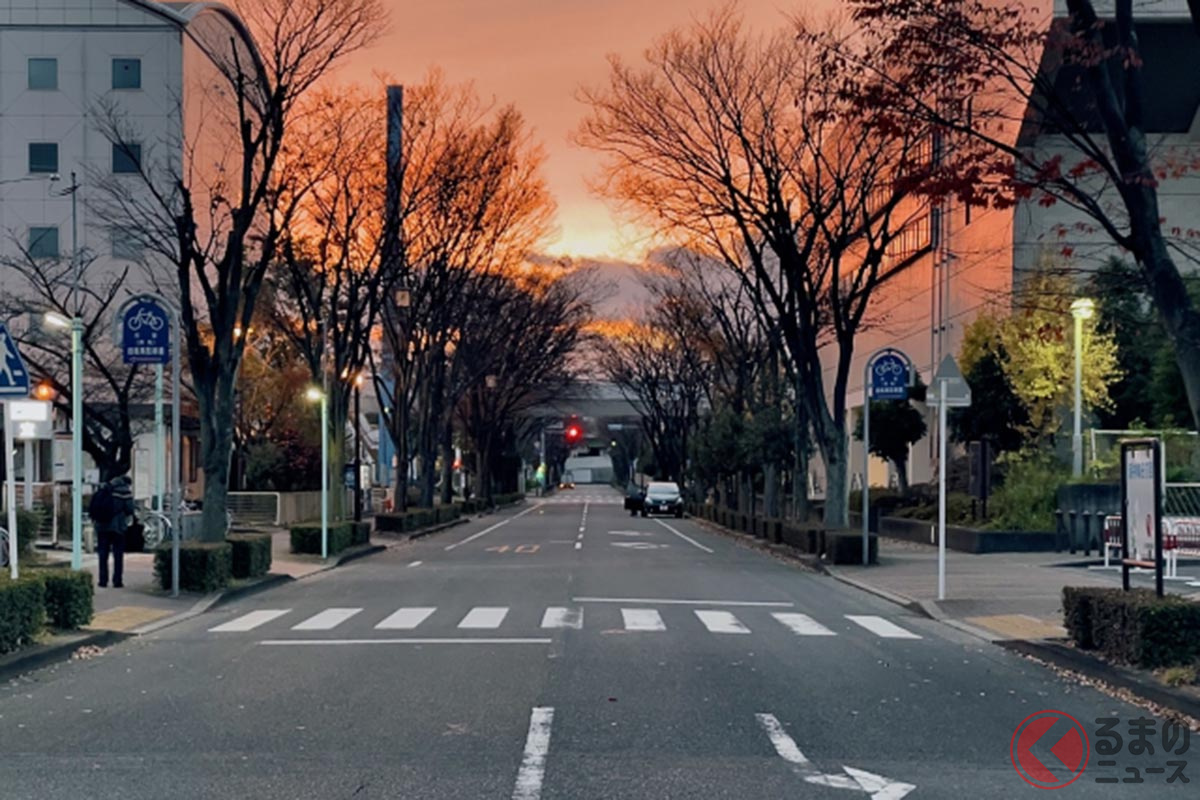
x=573 y=433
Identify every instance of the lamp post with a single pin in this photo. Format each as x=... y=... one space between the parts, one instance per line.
x=315 y=394
x=1081 y=309
x=358 y=489
x=76 y=326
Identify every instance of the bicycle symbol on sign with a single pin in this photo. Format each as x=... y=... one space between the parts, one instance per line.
x=889 y=367
x=148 y=318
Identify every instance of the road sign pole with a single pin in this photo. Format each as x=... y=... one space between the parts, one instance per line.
x=76 y=441
x=160 y=454
x=176 y=458
x=942 y=490
x=27 y=500
x=11 y=491
x=866 y=489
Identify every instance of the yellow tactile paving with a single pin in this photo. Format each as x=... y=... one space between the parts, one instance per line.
x=127 y=618
x=1020 y=626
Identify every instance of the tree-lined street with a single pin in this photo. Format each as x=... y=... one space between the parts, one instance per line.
x=666 y=661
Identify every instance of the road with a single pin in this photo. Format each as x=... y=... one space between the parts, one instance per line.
x=560 y=650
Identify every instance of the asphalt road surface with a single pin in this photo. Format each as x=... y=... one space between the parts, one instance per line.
x=561 y=650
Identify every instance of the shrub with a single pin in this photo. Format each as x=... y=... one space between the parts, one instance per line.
x=203 y=566
x=22 y=611
x=1026 y=500
x=1179 y=676
x=29 y=522
x=250 y=554
x=68 y=596
x=306 y=537
x=846 y=548
x=1135 y=627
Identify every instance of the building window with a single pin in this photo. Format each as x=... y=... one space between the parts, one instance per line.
x=126 y=158
x=43 y=157
x=43 y=242
x=125 y=244
x=126 y=73
x=43 y=73
x=916 y=237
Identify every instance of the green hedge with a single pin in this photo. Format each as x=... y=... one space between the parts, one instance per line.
x=250 y=554
x=203 y=566
x=306 y=536
x=22 y=611
x=69 y=597
x=1135 y=627
x=417 y=518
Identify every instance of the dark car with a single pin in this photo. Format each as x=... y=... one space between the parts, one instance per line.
x=662 y=498
x=633 y=498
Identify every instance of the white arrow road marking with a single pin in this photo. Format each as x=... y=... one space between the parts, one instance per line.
x=879 y=787
x=533 y=765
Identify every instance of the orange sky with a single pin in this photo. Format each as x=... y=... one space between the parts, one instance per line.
x=535 y=54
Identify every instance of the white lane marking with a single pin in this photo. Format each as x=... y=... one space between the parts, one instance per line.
x=416 y=563
x=803 y=624
x=658 y=601
x=248 y=622
x=685 y=537
x=579 y=545
x=347 y=642
x=405 y=619
x=879 y=787
x=882 y=627
x=533 y=764
x=558 y=617
x=642 y=619
x=721 y=622
x=327 y=620
x=499 y=524
x=784 y=745
x=484 y=617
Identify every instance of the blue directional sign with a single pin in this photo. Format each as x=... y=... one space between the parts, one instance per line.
x=14 y=378
x=145 y=332
x=889 y=377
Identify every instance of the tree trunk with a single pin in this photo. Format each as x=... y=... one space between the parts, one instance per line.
x=832 y=443
x=902 y=474
x=337 y=454
x=215 y=401
x=771 y=490
x=400 y=442
x=447 y=495
x=1176 y=310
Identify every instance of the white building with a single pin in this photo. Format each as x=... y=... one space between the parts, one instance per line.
x=68 y=68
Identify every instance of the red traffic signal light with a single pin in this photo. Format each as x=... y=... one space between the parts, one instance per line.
x=574 y=434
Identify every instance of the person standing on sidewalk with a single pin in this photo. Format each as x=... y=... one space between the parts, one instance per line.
x=111 y=508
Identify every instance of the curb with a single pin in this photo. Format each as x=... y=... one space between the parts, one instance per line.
x=923 y=608
x=1069 y=658
x=44 y=655
x=807 y=560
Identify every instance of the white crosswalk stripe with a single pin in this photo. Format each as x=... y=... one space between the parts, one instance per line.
x=248 y=622
x=721 y=622
x=642 y=619
x=484 y=618
x=882 y=627
x=557 y=617
x=803 y=624
x=327 y=620
x=405 y=619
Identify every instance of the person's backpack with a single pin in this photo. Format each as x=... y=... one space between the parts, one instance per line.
x=103 y=506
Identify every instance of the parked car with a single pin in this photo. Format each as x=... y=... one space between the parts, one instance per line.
x=634 y=495
x=662 y=498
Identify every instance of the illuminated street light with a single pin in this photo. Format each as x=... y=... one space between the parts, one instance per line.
x=315 y=395
x=1081 y=309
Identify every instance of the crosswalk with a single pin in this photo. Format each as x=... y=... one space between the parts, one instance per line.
x=632 y=619
x=577 y=497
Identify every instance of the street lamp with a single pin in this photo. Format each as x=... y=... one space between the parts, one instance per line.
x=358 y=489
x=76 y=326
x=1081 y=309
x=316 y=395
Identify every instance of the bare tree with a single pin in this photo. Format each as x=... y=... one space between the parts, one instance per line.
x=517 y=354
x=1078 y=80
x=733 y=145
x=219 y=218
x=471 y=202
x=112 y=390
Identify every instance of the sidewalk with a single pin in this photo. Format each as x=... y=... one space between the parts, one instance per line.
x=1007 y=595
x=141 y=602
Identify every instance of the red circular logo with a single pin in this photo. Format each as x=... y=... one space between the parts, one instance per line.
x=1049 y=749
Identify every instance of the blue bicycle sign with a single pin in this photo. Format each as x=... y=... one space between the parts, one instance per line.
x=145 y=332
x=889 y=377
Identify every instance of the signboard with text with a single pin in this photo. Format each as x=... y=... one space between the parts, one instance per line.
x=890 y=377
x=1141 y=504
x=145 y=331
